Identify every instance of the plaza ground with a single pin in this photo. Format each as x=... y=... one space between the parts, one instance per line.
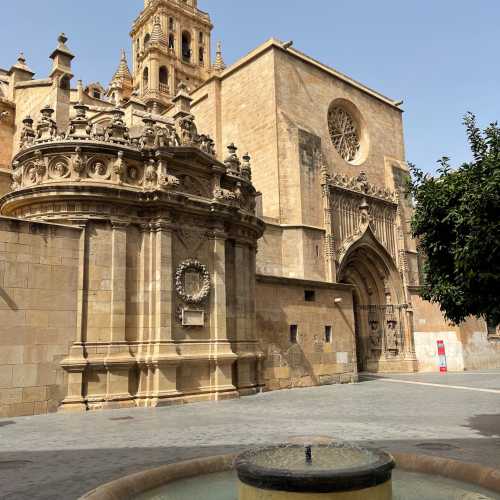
x=62 y=456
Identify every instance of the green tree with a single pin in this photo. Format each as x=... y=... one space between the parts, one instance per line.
x=457 y=224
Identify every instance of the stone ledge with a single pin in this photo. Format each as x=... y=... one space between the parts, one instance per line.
x=284 y=281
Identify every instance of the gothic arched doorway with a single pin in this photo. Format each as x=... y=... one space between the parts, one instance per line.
x=381 y=327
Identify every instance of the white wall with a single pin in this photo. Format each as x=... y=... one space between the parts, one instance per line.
x=427 y=353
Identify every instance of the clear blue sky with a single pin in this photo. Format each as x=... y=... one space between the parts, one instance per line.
x=439 y=56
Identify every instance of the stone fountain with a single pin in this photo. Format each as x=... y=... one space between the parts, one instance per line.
x=314 y=471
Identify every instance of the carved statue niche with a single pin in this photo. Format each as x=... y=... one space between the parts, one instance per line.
x=39 y=166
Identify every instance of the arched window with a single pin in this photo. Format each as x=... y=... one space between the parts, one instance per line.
x=146 y=40
x=64 y=83
x=145 y=78
x=186 y=46
x=163 y=79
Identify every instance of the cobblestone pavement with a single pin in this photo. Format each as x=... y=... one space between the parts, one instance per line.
x=62 y=456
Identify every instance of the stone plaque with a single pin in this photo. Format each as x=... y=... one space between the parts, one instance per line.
x=191 y=317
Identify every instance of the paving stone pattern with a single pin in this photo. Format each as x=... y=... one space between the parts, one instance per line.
x=62 y=456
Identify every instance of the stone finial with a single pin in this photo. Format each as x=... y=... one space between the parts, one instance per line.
x=21 y=64
x=232 y=161
x=123 y=72
x=182 y=101
x=46 y=129
x=219 y=64
x=27 y=133
x=61 y=47
x=117 y=131
x=79 y=127
x=246 y=169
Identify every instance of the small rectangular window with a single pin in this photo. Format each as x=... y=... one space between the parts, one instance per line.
x=309 y=295
x=294 y=334
x=328 y=334
x=493 y=330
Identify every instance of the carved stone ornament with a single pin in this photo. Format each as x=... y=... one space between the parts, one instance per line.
x=98 y=169
x=192 y=282
x=58 y=168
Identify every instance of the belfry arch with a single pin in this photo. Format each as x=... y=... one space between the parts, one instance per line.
x=382 y=330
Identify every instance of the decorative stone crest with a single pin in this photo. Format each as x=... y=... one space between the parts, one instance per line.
x=360 y=184
x=192 y=282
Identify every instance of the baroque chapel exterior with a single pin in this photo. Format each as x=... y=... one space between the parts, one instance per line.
x=144 y=261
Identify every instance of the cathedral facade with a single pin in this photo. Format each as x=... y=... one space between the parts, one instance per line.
x=195 y=231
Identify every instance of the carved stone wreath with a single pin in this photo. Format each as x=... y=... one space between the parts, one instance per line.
x=202 y=271
x=344 y=133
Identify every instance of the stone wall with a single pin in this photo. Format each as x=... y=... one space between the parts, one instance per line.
x=38 y=301
x=480 y=352
x=312 y=360
x=243 y=111
x=304 y=93
x=6 y=133
x=467 y=345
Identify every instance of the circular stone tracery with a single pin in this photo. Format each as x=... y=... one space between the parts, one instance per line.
x=344 y=133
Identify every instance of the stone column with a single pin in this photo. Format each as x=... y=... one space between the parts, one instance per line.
x=143 y=353
x=221 y=355
x=118 y=360
x=246 y=345
x=164 y=356
x=75 y=363
x=329 y=248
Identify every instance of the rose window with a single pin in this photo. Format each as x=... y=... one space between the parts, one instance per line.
x=344 y=133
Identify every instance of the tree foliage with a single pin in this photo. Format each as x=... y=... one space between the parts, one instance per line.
x=457 y=224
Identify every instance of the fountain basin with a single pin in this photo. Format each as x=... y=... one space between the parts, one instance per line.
x=185 y=480
x=319 y=471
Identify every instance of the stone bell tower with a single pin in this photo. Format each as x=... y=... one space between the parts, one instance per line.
x=171 y=44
